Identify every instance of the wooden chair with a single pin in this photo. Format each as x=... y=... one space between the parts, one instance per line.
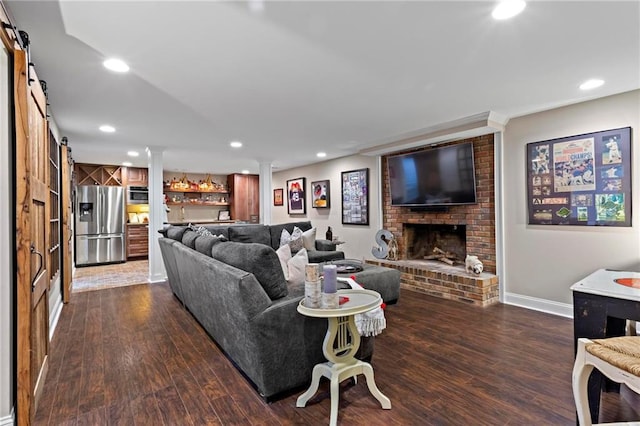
x=618 y=358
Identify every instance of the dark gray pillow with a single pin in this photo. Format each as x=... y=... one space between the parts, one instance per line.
x=176 y=232
x=259 y=259
x=189 y=239
x=204 y=243
x=250 y=234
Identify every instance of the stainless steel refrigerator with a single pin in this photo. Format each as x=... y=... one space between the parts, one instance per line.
x=100 y=225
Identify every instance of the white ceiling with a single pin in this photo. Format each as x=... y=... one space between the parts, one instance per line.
x=300 y=77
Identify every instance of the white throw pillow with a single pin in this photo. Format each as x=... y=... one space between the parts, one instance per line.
x=284 y=255
x=296 y=267
x=309 y=239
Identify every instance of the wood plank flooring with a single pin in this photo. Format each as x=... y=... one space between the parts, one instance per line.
x=133 y=356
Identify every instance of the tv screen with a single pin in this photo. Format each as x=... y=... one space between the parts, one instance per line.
x=433 y=177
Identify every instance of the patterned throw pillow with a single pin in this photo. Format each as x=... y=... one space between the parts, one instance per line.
x=200 y=230
x=294 y=239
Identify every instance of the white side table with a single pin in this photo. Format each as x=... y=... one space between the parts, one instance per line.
x=340 y=346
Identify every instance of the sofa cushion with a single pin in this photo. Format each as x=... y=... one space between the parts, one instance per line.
x=218 y=230
x=309 y=239
x=294 y=239
x=296 y=267
x=204 y=243
x=200 y=230
x=284 y=255
x=189 y=238
x=276 y=231
x=176 y=232
x=259 y=259
x=292 y=266
x=250 y=234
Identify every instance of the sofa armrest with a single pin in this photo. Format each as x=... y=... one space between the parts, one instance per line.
x=325 y=245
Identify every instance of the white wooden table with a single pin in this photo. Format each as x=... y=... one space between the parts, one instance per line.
x=340 y=346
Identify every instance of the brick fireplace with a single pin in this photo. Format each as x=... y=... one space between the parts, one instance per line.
x=465 y=229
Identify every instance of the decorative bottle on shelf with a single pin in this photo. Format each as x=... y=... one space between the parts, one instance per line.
x=329 y=234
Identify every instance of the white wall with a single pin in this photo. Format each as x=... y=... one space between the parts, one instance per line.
x=358 y=239
x=542 y=262
x=6 y=297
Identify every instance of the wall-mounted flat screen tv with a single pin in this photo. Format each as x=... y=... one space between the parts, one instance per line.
x=440 y=176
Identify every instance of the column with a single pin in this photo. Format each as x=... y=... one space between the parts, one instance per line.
x=265 y=193
x=157 y=272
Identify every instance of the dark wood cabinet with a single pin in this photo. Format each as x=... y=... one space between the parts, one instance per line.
x=137 y=240
x=136 y=176
x=244 y=193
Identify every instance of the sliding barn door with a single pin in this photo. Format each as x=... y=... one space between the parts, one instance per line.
x=65 y=201
x=32 y=229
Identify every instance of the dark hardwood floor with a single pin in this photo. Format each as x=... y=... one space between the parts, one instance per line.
x=133 y=355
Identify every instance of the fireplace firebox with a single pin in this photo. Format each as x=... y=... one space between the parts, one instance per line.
x=423 y=241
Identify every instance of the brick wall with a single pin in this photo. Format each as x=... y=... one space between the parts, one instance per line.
x=479 y=218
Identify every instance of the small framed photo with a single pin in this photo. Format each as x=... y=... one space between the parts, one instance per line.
x=278 y=197
x=320 y=194
x=296 y=196
x=223 y=215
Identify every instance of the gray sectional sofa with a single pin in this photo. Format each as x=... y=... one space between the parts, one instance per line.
x=270 y=235
x=237 y=291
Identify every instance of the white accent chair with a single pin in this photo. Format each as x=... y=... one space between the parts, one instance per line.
x=618 y=358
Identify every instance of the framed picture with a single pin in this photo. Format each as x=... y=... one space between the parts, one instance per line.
x=278 y=197
x=296 y=196
x=582 y=180
x=223 y=215
x=320 y=194
x=355 y=197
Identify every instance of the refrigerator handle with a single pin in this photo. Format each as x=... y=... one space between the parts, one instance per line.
x=102 y=212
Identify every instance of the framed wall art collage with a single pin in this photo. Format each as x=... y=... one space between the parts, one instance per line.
x=582 y=180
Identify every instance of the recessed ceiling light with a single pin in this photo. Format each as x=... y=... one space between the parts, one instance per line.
x=126 y=163
x=321 y=154
x=508 y=9
x=245 y=172
x=107 y=128
x=235 y=144
x=256 y=6
x=591 y=84
x=116 y=65
x=133 y=153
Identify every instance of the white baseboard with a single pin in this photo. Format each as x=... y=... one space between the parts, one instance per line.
x=159 y=278
x=7 y=420
x=53 y=319
x=543 y=305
